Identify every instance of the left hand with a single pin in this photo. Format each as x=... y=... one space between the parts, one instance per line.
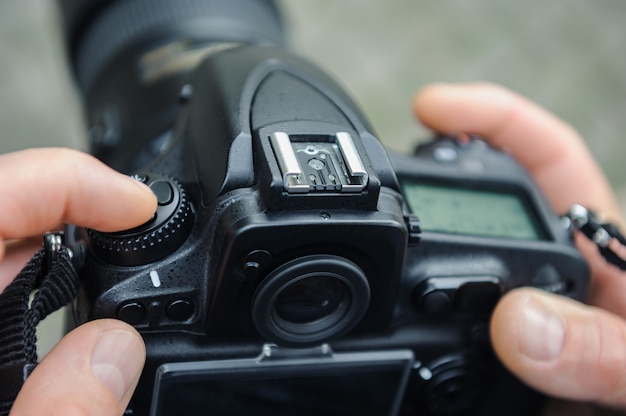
x=95 y=368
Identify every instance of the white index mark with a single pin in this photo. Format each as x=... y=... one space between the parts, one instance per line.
x=156 y=280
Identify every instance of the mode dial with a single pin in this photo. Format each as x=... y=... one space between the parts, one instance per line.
x=157 y=238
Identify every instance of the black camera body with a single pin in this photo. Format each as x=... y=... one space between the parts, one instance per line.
x=293 y=266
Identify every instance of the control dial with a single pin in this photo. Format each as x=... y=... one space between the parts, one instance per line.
x=157 y=238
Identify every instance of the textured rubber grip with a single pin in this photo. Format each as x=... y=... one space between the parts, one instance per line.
x=124 y=22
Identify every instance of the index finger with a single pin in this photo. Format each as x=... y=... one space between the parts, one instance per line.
x=42 y=188
x=550 y=149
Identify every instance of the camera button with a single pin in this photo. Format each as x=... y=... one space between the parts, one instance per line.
x=179 y=310
x=436 y=302
x=455 y=385
x=479 y=297
x=132 y=312
x=254 y=262
x=251 y=270
x=467 y=294
x=163 y=191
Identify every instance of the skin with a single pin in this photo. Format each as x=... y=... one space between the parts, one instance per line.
x=566 y=349
x=94 y=369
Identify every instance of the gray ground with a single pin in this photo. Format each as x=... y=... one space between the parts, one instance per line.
x=568 y=56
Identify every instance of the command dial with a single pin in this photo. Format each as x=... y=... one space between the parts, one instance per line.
x=157 y=238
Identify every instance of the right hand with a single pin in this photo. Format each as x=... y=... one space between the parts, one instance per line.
x=564 y=348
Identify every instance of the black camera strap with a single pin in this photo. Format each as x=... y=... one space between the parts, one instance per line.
x=606 y=236
x=53 y=279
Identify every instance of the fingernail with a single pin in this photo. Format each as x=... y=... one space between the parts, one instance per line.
x=117 y=361
x=544 y=331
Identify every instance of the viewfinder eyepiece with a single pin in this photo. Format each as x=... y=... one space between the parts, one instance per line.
x=310 y=299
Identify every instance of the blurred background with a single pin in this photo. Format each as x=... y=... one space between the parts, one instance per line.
x=567 y=56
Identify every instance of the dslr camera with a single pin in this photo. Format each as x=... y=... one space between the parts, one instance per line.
x=293 y=265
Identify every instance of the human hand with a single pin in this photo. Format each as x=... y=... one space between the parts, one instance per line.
x=94 y=369
x=561 y=347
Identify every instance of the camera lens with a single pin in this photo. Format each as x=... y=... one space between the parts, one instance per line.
x=131 y=58
x=310 y=300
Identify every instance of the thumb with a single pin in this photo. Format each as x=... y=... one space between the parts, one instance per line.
x=562 y=347
x=92 y=371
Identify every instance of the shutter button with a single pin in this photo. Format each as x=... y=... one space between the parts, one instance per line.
x=163 y=191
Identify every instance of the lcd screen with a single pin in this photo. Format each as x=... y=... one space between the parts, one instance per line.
x=447 y=208
x=362 y=384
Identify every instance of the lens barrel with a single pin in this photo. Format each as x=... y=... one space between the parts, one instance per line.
x=128 y=24
x=131 y=58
